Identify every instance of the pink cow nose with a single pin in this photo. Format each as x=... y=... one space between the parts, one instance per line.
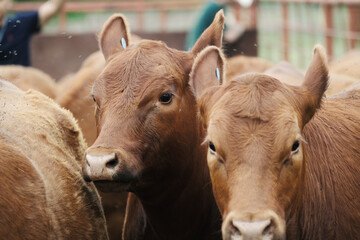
x=252 y=230
x=100 y=167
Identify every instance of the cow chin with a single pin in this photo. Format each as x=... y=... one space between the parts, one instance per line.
x=116 y=181
x=112 y=186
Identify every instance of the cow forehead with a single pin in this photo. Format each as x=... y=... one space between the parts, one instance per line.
x=237 y=131
x=144 y=64
x=255 y=96
x=254 y=111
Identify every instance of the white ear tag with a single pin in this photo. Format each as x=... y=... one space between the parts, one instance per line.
x=123 y=43
x=217 y=71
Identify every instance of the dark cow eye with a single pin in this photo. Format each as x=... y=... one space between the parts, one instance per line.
x=166 y=98
x=295 y=146
x=212 y=147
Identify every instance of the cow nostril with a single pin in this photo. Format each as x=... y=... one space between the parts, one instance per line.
x=233 y=229
x=87 y=163
x=258 y=229
x=112 y=163
x=86 y=177
x=269 y=229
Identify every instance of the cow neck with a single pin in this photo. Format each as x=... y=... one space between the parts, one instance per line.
x=183 y=198
x=322 y=168
x=299 y=224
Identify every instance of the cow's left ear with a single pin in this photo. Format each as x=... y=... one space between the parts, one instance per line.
x=208 y=70
x=114 y=35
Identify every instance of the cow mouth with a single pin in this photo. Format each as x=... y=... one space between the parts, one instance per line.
x=112 y=186
x=119 y=182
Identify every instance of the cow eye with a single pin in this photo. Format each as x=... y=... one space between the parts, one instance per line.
x=96 y=103
x=212 y=147
x=295 y=146
x=93 y=98
x=166 y=98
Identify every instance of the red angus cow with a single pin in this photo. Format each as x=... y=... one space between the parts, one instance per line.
x=149 y=136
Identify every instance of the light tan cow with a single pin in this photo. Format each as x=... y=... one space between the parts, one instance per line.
x=348 y=65
x=243 y=64
x=74 y=95
x=289 y=74
x=284 y=160
x=29 y=78
x=42 y=192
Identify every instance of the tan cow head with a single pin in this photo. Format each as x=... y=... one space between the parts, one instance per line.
x=145 y=108
x=255 y=147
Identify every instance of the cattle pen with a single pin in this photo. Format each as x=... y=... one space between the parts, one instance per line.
x=178 y=117
x=279 y=29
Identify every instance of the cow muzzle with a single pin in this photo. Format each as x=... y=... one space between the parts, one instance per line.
x=107 y=167
x=267 y=228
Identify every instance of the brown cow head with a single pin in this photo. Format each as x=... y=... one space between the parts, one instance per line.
x=145 y=108
x=254 y=133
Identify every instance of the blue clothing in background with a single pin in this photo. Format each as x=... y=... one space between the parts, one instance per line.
x=15 y=36
x=205 y=19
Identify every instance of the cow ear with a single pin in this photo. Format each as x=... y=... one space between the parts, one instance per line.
x=212 y=36
x=114 y=35
x=315 y=84
x=208 y=70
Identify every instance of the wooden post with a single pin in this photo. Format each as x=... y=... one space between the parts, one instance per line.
x=62 y=21
x=163 y=19
x=237 y=11
x=253 y=10
x=354 y=22
x=328 y=28
x=141 y=11
x=284 y=7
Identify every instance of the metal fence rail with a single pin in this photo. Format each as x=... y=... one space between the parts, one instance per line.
x=280 y=23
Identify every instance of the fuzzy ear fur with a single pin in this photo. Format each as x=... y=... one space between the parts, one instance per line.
x=212 y=36
x=315 y=84
x=114 y=35
x=208 y=70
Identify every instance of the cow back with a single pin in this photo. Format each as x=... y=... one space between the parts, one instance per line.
x=29 y=78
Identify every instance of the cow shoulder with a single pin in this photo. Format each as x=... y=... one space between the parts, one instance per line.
x=21 y=186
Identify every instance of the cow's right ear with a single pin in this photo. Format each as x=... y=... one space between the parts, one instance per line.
x=208 y=70
x=114 y=35
x=315 y=84
x=212 y=36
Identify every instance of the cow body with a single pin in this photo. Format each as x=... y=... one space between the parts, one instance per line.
x=74 y=95
x=29 y=78
x=149 y=140
x=348 y=64
x=287 y=73
x=244 y=64
x=43 y=194
x=280 y=168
